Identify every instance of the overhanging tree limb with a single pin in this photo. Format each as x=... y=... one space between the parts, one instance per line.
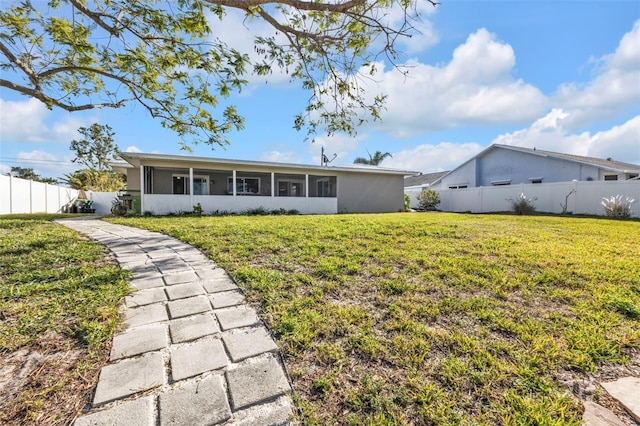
x=79 y=55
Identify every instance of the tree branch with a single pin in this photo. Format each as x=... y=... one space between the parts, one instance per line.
x=95 y=17
x=26 y=69
x=51 y=101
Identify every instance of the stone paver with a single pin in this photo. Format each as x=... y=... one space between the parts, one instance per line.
x=241 y=316
x=219 y=284
x=192 y=327
x=226 y=299
x=277 y=412
x=145 y=283
x=193 y=352
x=191 y=306
x=181 y=291
x=198 y=403
x=627 y=391
x=199 y=357
x=597 y=415
x=145 y=297
x=180 y=277
x=145 y=315
x=246 y=343
x=138 y=412
x=139 y=340
x=256 y=382
x=128 y=377
x=213 y=274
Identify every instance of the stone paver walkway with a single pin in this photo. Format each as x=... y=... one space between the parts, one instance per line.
x=193 y=352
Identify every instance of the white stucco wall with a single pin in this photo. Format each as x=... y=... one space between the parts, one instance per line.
x=162 y=204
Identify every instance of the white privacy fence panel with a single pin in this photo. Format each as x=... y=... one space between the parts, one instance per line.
x=27 y=196
x=549 y=197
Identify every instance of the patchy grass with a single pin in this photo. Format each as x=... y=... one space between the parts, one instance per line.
x=434 y=318
x=58 y=312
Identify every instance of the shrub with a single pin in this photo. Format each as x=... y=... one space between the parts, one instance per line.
x=197 y=210
x=258 y=211
x=428 y=199
x=407 y=201
x=617 y=206
x=522 y=205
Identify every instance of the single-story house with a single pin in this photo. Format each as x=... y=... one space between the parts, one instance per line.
x=164 y=184
x=510 y=165
x=422 y=181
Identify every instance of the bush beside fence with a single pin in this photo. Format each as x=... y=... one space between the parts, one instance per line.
x=549 y=197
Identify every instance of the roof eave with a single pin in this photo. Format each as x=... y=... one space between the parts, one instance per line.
x=136 y=159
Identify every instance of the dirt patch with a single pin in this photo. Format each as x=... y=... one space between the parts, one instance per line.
x=47 y=383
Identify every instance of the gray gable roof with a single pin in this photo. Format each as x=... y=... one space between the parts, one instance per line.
x=610 y=164
x=425 y=179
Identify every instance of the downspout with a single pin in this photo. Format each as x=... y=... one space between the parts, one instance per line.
x=10 y=194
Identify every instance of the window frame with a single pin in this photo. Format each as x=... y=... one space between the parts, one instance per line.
x=243 y=183
x=187 y=184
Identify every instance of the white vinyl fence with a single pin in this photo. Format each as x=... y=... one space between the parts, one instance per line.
x=26 y=196
x=549 y=197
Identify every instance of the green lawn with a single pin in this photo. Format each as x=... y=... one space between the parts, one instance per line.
x=59 y=296
x=433 y=318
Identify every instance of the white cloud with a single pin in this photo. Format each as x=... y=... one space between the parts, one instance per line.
x=476 y=87
x=549 y=133
x=338 y=145
x=47 y=164
x=14 y=116
x=132 y=148
x=615 y=88
x=621 y=143
x=433 y=158
x=280 y=157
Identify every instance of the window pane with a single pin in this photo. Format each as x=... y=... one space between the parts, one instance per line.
x=252 y=185
x=180 y=185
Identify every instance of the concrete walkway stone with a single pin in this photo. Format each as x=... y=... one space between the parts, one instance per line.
x=196 y=358
x=241 y=316
x=197 y=403
x=627 y=391
x=138 y=412
x=192 y=327
x=256 y=382
x=597 y=415
x=193 y=352
x=128 y=377
x=139 y=340
x=246 y=343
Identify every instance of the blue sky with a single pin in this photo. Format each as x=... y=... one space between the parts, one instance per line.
x=557 y=75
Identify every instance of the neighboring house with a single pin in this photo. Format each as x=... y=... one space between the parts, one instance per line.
x=421 y=181
x=163 y=184
x=509 y=165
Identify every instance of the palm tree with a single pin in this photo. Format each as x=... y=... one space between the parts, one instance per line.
x=374 y=160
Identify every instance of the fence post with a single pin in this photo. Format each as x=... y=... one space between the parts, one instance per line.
x=30 y=196
x=10 y=194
